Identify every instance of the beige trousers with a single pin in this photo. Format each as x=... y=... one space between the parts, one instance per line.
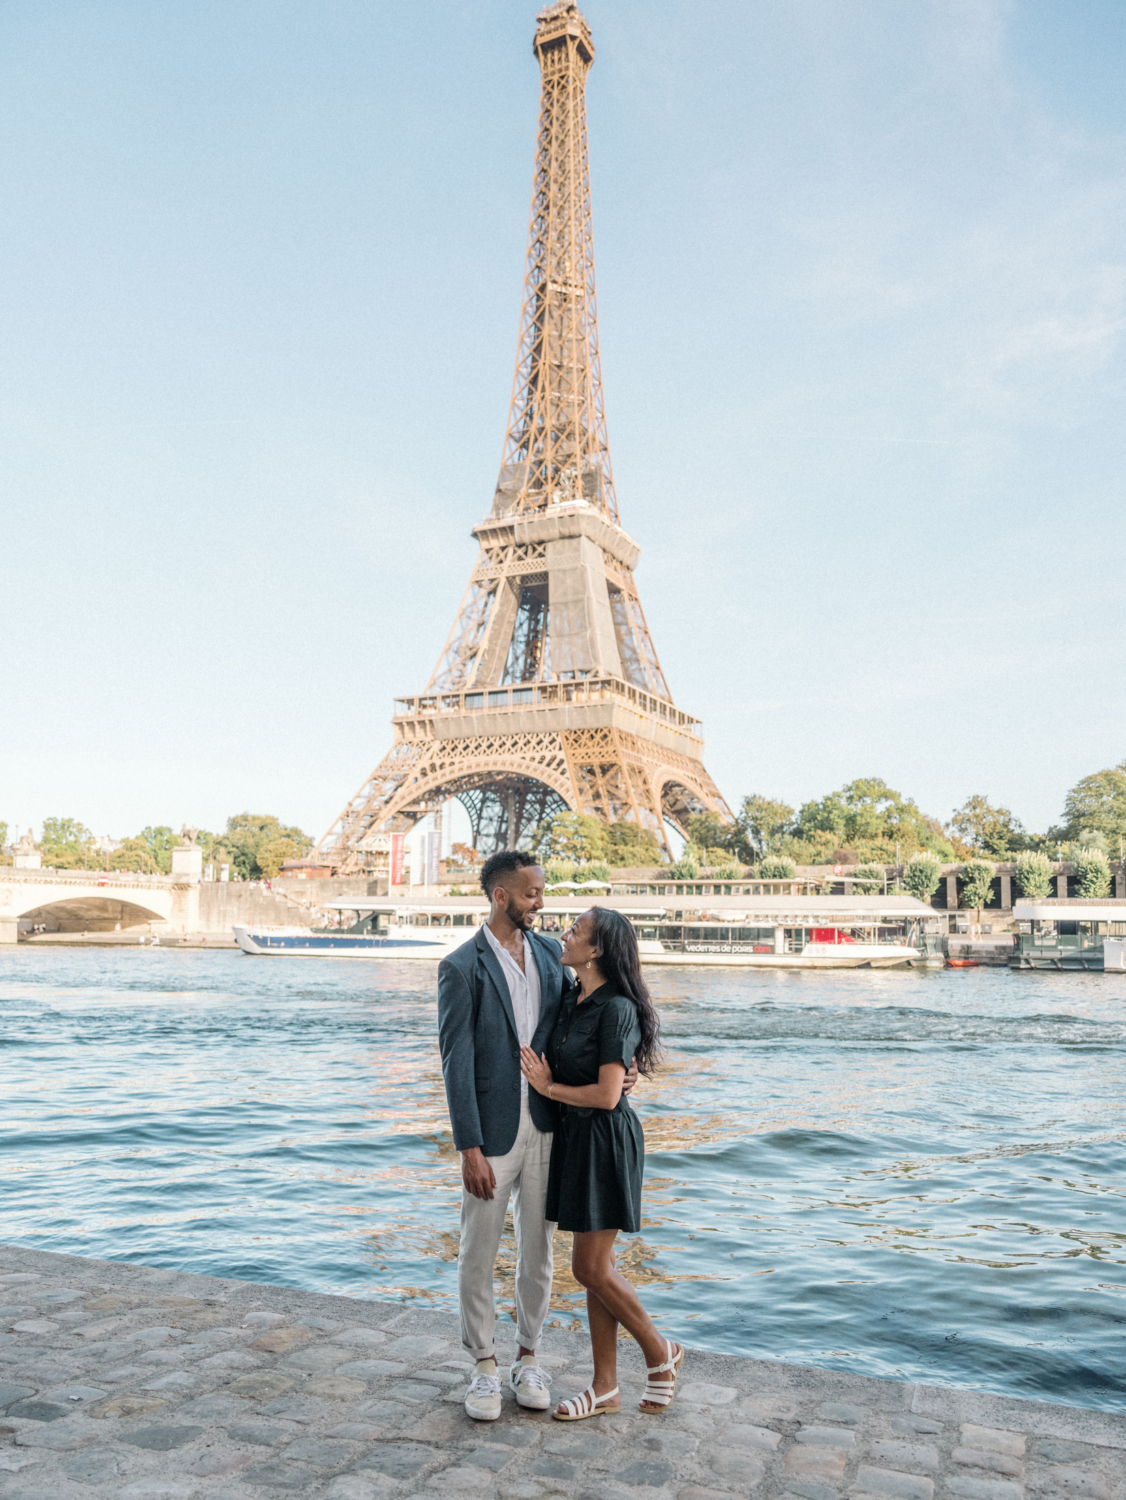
x=522 y=1174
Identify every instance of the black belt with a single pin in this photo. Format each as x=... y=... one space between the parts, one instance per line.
x=579 y=1109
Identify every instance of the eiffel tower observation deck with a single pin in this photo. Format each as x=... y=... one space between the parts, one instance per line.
x=549 y=693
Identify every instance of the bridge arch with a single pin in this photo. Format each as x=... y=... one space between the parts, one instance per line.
x=88 y=914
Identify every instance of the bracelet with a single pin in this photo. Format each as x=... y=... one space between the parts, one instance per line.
x=550 y=1095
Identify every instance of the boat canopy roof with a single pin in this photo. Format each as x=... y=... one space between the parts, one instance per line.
x=780 y=911
x=1071 y=909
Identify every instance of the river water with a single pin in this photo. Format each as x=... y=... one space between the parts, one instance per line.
x=917 y=1176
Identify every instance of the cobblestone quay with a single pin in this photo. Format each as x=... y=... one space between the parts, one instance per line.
x=139 y=1384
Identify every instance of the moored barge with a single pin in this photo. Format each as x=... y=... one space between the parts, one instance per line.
x=799 y=932
x=1082 y=934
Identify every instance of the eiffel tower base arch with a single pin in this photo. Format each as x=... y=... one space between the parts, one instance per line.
x=509 y=783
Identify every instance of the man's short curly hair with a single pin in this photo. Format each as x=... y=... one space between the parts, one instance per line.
x=497 y=866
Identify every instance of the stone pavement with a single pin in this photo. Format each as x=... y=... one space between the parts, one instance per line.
x=127 y=1382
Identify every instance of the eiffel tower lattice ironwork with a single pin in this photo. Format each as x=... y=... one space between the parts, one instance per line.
x=549 y=693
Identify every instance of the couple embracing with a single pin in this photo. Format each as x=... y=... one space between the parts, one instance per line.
x=537 y=1070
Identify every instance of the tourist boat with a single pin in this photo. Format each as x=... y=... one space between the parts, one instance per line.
x=790 y=932
x=1083 y=934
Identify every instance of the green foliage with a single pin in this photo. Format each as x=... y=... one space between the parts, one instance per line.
x=1091 y=869
x=922 y=875
x=259 y=844
x=871 y=817
x=1098 y=802
x=977 y=882
x=775 y=867
x=66 y=844
x=3 y=832
x=728 y=872
x=719 y=842
x=631 y=845
x=869 y=879
x=160 y=842
x=762 y=822
x=134 y=854
x=1090 y=838
x=560 y=874
x=574 y=837
x=985 y=829
x=687 y=867
x=1032 y=871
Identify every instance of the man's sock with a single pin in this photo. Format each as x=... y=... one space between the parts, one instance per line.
x=486 y=1366
x=528 y=1359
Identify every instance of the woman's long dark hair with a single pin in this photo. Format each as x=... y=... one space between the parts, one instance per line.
x=621 y=964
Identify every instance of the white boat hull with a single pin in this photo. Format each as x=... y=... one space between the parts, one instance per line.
x=432 y=944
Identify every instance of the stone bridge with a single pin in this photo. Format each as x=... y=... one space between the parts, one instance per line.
x=88 y=901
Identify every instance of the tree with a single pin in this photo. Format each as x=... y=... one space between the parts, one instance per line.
x=708 y=831
x=274 y=852
x=977 y=884
x=1032 y=871
x=160 y=841
x=630 y=844
x=870 y=878
x=66 y=844
x=134 y=854
x=762 y=822
x=465 y=856
x=776 y=867
x=985 y=829
x=575 y=837
x=872 y=817
x=250 y=835
x=687 y=867
x=1091 y=869
x=1098 y=802
x=921 y=876
x=3 y=832
x=148 y=852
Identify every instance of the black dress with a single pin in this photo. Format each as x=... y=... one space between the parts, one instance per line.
x=597 y=1155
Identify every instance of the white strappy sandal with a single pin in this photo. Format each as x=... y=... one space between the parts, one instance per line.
x=586 y=1405
x=660 y=1393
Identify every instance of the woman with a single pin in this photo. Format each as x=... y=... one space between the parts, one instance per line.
x=598 y=1152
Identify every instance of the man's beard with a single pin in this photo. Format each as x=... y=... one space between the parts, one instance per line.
x=525 y=922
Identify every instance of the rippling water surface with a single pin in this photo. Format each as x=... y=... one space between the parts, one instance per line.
x=918 y=1176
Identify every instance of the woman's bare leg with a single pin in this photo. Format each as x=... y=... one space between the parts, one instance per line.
x=607 y=1290
x=604 y=1343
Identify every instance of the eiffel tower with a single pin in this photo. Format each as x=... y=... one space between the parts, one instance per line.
x=549 y=694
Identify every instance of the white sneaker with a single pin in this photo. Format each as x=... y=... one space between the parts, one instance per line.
x=482 y=1400
x=530 y=1384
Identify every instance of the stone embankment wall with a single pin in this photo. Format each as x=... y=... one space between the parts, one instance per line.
x=222 y=904
x=337 y=888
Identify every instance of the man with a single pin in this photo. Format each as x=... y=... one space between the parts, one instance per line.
x=500 y=990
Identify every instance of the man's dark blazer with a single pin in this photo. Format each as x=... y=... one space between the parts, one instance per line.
x=480 y=1048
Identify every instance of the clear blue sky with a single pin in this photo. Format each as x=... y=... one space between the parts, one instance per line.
x=862 y=283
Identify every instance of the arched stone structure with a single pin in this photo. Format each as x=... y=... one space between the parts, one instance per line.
x=80 y=900
x=91 y=914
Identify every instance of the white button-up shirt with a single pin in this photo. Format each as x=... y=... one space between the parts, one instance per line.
x=523 y=989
